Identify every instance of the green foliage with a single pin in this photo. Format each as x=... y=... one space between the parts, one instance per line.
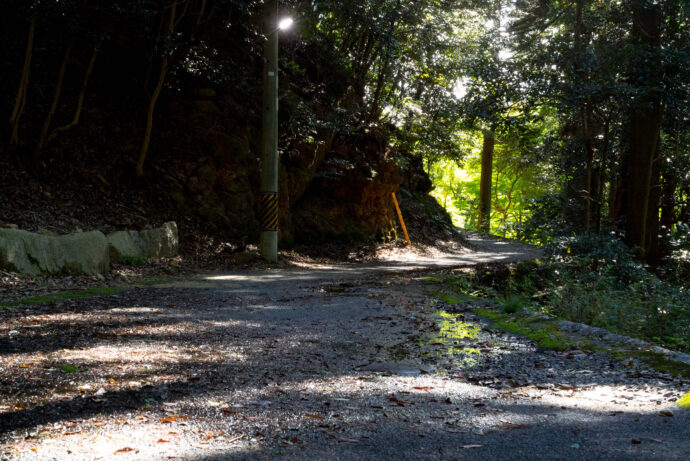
x=680 y=241
x=134 y=261
x=434 y=73
x=544 y=220
x=518 y=181
x=596 y=280
x=512 y=303
x=546 y=335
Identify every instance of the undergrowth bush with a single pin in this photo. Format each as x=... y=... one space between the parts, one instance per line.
x=597 y=281
x=594 y=280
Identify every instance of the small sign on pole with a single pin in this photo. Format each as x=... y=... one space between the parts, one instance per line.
x=402 y=223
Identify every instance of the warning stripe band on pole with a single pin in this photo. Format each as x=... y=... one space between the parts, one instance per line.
x=269 y=211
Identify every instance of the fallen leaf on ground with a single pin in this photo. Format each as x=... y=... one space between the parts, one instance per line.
x=236 y=438
x=421 y=388
x=126 y=450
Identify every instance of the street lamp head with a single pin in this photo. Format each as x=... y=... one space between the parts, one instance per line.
x=285 y=23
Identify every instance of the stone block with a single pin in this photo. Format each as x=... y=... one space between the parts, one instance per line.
x=31 y=253
x=162 y=242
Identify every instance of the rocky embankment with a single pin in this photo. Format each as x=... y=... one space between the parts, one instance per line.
x=83 y=252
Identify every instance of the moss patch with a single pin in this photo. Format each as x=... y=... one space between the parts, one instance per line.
x=456 y=298
x=53 y=297
x=544 y=333
x=684 y=401
x=547 y=334
x=656 y=361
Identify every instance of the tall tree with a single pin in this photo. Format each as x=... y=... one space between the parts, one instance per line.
x=645 y=121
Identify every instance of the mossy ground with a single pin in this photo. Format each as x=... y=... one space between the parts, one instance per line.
x=656 y=361
x=514 y=292
x=545 y=333
x=85 y=293
x=58 y=296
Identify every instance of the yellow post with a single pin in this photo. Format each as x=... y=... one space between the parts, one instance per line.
x=402 y=223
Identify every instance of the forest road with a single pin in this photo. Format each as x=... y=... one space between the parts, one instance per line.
x=338 y=363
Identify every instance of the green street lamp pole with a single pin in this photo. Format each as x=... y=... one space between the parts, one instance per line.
x=269 y=155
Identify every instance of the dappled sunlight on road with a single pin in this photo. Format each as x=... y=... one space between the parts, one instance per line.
x=348 y=361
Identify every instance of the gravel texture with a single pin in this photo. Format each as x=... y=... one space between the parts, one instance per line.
x=347 y=362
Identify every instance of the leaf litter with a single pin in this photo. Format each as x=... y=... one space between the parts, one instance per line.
x=178 y=369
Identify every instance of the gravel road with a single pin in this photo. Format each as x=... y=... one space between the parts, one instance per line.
x=346 y=362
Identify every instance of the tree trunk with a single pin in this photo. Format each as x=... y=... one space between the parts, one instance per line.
x=375 y=110
x=80 y=98
x=152 y=102
x=20 y=100
x=149 y=118
x=602 y=174
x=668 y=194
x=56 y=98
x=484 y=220
x=644 y=129
x=652 y=246
x=589 y=147
x=684 y=215
x=581 y=78
x=668 y=205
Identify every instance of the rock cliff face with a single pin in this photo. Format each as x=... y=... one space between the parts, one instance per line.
x=349 y=196
x=334 y=188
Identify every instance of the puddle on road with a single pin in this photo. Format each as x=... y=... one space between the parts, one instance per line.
x=454 y=341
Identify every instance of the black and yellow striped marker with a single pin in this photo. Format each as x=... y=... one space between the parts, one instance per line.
x=269 y=211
